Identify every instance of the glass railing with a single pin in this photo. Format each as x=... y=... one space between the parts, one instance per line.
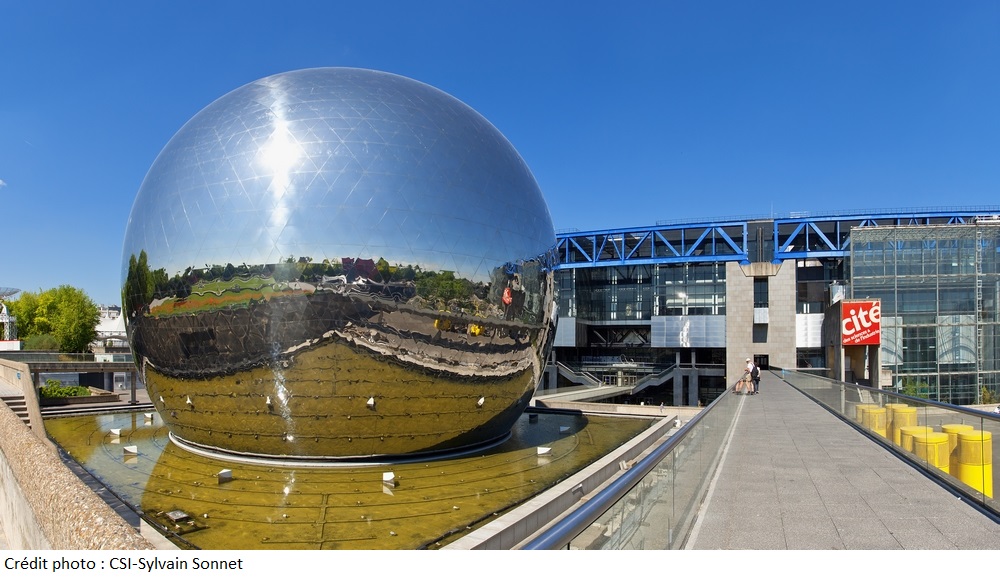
x=652 y=505
x=56 y=357
x=952 y=443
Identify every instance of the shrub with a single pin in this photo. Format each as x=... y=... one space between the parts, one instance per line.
x=53 y=389
x=45 y=342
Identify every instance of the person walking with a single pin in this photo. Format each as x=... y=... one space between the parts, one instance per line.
x=752 y=377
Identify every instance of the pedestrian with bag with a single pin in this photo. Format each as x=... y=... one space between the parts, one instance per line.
x=752 y=377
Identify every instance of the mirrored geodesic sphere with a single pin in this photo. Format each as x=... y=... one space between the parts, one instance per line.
x=338 y=263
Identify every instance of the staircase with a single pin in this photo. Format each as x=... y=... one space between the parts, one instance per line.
x=578 y=377
x=19 y=406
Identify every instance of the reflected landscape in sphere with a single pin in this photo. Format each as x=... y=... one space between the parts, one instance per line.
x=339 y=263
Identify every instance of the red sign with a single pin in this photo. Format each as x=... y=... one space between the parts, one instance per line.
x=507 y=297
x=861 y=322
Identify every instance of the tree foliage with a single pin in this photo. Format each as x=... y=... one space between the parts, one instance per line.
x=143 y=284
x=915 y=388
x=444 y=286
x=53 y=389
x=139 y=283
x=66 y=313
x=44 y=342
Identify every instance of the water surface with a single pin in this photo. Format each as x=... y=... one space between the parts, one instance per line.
x=341 y=507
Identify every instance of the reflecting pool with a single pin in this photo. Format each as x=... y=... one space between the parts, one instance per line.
x=425 y=504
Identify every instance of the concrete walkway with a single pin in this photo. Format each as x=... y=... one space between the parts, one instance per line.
x=796 y=477
x=10 y=390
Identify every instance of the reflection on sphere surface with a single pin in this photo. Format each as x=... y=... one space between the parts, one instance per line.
x=339 y=263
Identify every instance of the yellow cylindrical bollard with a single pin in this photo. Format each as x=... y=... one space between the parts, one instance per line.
x=902 y=417
x=952 y=430
x=859 y=412
x=932 y=448
x=890 y=418
x=874 y=420
x=975 y=460
x=906 y=435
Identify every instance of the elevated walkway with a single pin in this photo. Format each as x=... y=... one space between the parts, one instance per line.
x=590 y=388
x=795 y=476
x=579 y=394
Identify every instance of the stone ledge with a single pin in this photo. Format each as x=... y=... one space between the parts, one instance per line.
x=43 y=505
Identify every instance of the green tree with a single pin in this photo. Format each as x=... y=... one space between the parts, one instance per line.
x=66 y=313
x=160 y=282
x=915 y=388
x=407 y=273
x=139 y=284
x=76 y=320
x=287 y=271
x=443 y=286
x=24 y=309
x=383 y=268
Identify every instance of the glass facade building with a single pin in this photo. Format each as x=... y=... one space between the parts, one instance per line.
x=672 y=311
x=643 y=292
x=939 y=288
x=644 y=317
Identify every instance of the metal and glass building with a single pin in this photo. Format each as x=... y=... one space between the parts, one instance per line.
x=670 y=313
x=938 y=287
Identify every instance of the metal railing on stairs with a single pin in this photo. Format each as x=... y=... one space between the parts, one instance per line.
x=578 y=376
x=654 y=379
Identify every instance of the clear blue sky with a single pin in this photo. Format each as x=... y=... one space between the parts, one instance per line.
x=627 y=113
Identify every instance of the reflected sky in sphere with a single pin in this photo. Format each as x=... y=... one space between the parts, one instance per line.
x=331 y=163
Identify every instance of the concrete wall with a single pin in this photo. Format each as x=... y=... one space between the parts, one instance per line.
x=16 y=516
x=780 y=345
x=43 y=505
x=18 y=376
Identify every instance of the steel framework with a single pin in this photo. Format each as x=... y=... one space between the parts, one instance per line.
x=795 y=236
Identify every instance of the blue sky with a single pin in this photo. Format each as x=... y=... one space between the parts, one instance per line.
x=627 y=113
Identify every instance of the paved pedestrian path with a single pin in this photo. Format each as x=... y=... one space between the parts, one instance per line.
x=795 y=476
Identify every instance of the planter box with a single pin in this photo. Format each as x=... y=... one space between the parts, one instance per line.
x=96 y=396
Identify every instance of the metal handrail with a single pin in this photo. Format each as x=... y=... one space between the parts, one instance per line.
x=583 y=374
x=641 y=383
x=57 y=357
x=956 y=408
